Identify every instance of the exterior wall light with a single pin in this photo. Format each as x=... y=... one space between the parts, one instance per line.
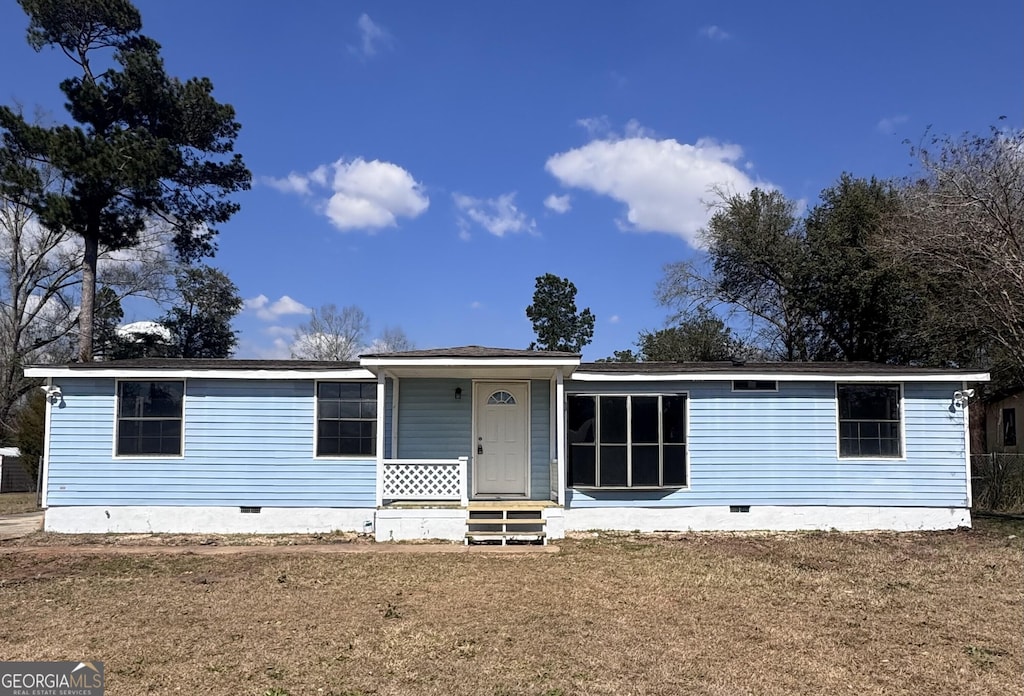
x=458 y=393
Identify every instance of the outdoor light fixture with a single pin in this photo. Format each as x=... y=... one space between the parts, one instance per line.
x=458 y=393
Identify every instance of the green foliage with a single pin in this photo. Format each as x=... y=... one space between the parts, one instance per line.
x=142 y=145
x=556 y=322
x=200 y=323
x=28 y=431
x=822 y=287
x=702 y=337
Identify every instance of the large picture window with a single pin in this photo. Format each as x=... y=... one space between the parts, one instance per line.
x=869 y=420
x=346 y=419
x=149 y=416
x=633 y=441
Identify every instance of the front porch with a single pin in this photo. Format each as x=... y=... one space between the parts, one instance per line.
x=430 y=499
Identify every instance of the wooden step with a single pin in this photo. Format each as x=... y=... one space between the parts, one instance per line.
x=512 y=522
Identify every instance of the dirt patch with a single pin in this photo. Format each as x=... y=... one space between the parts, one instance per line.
x=629 y=614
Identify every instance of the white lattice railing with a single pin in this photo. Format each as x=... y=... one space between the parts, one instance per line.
x=424 y=479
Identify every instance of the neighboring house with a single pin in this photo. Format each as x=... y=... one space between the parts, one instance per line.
x=432 y=443
x=14 y=477
x=1004 y=424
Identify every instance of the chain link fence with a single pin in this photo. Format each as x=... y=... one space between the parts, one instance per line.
x=997 y=482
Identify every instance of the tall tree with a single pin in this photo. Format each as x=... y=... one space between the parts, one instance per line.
x=392 y=339
x=331 y=334
x=200 y=320
x=556 y=321
x=141 y=146
x=702 y=337
x=962 y=230
x=756 y=254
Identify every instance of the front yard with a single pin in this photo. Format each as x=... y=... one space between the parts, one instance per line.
x=936 y=613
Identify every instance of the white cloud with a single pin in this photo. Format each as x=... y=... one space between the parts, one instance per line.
x=359 y=194
x=271 y=311
x=372 y=37
x=666 y=185
x=293 y=183
x=614 y=319
x=499 y=216
x=559 y=204
x=888 y=124
x=715 y=33
x=595 y=126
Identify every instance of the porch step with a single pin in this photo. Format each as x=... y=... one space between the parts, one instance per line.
x=515 y=522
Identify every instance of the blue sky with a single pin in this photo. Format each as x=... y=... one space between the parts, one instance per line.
x=426 y=161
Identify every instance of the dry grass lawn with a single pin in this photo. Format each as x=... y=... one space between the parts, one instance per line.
x=937 y=613
x=13 y=503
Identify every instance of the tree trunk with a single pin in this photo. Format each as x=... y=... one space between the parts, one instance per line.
x=87 y=312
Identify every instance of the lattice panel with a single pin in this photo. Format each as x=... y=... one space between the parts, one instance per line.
x=421 y=482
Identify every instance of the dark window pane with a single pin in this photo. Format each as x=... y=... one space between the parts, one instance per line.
x=889 y=447
x=645 y=465
x=329 y=409
x=328 y=429
x=368 y=430
x=368 y=391
x=582 y=465
x=369 y=409
x=580 y=419
x=754 y=385
x=328 y=390
x=350 y=390
x=613 y=419
x=644 y=418
x=674 y=418
x=869 y=401
x=1009 y=427
x=674 y=466
x=613 y=466
x=348 y=409
x=349 y=428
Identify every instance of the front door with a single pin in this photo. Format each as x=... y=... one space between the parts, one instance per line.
x=502 y=439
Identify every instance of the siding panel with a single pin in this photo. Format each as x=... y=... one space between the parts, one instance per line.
x=246 y=443
x=781 y=449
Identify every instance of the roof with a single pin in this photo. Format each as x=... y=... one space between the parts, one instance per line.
x=210 y=364
x=794 y=371
x=473 y=352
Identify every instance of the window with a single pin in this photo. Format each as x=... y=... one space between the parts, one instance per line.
x=627 y=441
x=869 y=420
x=1009 y=427
x=755 y=385
x=501 y=398
x=149 y=417
x=346 y=419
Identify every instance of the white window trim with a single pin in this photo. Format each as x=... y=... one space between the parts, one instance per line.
x=629 y=442
x=316 y=422
x=903 y=423
x=117 y=417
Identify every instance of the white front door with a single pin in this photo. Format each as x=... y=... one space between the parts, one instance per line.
x=502 y=439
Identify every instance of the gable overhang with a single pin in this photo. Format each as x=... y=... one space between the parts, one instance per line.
x=780 y=376
x=472 y=368
x=58 y=371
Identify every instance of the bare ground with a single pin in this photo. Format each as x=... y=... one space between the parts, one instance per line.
x=936 y=613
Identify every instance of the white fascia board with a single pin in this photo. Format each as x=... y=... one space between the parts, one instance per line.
x=469 y=362
x=777 y=377
x=185 y=373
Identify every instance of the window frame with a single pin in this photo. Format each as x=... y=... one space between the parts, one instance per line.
x=316 y=420
x=755 y=389
x=117 y=417
x=1009 y=426
x=628 y=444
x=901 y=423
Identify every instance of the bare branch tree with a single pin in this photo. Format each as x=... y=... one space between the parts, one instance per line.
x=962 y=228
x=331 y=334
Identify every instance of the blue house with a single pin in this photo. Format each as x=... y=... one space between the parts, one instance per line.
x=499 y=443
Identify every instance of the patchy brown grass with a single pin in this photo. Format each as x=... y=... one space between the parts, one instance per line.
x=13 y=503
x=937 y=613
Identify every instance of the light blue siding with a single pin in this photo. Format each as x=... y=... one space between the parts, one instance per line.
x=247 y=442
x=781 y=448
